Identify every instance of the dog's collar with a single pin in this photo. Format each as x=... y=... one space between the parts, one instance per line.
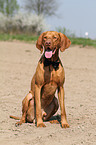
x=55 y=64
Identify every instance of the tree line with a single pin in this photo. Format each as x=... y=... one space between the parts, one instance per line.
x=44 y=7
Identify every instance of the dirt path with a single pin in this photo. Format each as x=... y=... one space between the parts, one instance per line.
x=18 y=62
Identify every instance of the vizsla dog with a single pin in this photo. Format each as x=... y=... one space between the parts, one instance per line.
x=48 y=78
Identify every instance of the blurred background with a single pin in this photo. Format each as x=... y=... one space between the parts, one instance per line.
x=74 y=18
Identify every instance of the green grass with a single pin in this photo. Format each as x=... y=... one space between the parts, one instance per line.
x=83 y=41
x=21 y=37
x=29 y=38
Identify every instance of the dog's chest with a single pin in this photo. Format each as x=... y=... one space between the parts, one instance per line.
x=46 y=75
x=52 y=76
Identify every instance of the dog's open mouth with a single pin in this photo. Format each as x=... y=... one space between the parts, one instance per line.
x=49 y=53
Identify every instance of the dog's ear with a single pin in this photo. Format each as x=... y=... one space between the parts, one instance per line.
x=65 y=42
x=39 y=42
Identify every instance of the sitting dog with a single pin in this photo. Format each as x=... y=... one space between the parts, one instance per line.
x=48 y=78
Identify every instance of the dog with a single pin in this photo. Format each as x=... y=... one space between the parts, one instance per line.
x=40 y=104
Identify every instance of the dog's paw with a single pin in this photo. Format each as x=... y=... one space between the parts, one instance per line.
x=41 y=125
x=65 y=125
x=18 y=124
x=54 y=121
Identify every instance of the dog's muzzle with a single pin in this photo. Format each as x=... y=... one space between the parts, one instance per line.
x=49 y=53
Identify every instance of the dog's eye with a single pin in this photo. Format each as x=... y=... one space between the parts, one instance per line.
x=45 y=37
x=55 y=37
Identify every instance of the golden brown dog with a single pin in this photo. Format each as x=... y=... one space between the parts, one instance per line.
x=48 y=78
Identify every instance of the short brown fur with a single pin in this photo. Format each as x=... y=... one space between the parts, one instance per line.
x=45 y=82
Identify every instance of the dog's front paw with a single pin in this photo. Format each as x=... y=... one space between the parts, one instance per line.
x=41 y=125
x=64 y=125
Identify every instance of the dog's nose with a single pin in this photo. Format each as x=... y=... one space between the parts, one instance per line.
x=48 y=43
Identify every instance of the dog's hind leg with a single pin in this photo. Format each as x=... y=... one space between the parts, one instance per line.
x=25 y=107
x=30 y=117
x=51 y=110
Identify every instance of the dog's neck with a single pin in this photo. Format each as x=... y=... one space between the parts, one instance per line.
x=55 y=64
x=54 y=61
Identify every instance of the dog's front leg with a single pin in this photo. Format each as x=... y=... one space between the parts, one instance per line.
x=64 y=123
x=38 y=106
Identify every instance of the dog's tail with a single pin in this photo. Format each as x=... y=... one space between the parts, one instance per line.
x=14 y=117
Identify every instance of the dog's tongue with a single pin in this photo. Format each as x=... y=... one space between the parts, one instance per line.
x=48 y=54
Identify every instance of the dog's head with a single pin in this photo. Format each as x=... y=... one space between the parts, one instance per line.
x=51 y=41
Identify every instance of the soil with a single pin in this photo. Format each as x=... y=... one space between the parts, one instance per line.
x=18 y=61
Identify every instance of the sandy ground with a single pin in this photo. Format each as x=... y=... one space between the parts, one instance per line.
x=18 y=62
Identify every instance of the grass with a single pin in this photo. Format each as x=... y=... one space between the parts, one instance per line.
x=29 y=38
x=83 y=41
x=21 y=37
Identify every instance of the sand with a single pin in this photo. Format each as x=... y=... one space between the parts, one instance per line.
x=18 y=61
